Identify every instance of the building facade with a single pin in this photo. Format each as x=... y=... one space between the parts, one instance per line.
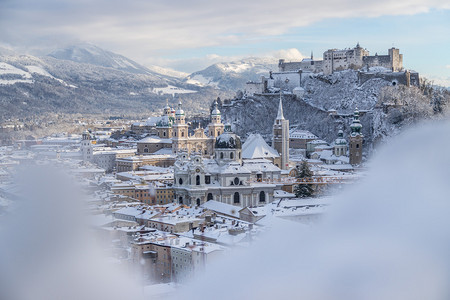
x=225 y=178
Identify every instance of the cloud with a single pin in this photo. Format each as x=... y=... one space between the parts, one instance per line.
x=289 y=54
x=142 y=29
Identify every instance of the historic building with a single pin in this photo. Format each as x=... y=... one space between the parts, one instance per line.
x=280 y=140
x=173 y=133
x=225 y=178
x=340 y=145
x=356 y=140
x=86 y=147
x=343 y=59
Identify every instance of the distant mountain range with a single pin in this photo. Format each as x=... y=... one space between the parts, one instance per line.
x=233 y=75
x=87 y=79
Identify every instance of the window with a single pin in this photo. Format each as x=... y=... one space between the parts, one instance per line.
x=197 y=180
x=198 y=201
x=164 y=133
x=210 y=196
x=221 y=155
x=231 y=155
x=239 y=155
x=357 y=146
x=180 y=181
x=236 y=198
x=145 y=150
x=207 y=179
x=182 y=134
x=236 y=181
x=262 y=197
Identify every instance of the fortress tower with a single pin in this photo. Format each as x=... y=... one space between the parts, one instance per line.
x=280 y=140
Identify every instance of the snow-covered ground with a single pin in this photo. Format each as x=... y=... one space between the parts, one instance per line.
x=20 y=76
x=170 y=89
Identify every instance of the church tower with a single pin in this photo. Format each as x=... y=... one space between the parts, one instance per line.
x=86 y=146
x=180 y=130
x=280 y=140
x=164 y=126
x=216 y=127
x=356 y=140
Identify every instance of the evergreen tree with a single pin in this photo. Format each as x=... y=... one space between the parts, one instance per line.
x=304 y=190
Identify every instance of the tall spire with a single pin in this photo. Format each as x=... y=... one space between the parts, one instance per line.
x=312 y=56
x=280 y=115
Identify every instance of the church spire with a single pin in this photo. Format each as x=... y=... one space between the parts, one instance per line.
x=280 y=115
x=312 y=56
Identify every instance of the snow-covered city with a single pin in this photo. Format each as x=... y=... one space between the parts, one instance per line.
x=255 y=173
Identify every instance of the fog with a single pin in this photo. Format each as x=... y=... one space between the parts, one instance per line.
x=386 y=237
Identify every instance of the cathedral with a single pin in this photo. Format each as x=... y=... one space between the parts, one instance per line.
x=228 y=177
x=173 y=132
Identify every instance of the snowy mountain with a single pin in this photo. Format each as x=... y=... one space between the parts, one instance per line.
x=91 y=54
x=232 y=76
x=32 y=85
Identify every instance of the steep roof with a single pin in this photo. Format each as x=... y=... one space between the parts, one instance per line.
x=256 y=147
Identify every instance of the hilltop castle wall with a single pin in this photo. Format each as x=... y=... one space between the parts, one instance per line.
x=344 y=59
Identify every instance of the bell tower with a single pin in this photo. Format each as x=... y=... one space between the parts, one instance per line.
x=356 y=140
x=180 y=130
x=216 y=127
x=280 y=140
x=86 y=146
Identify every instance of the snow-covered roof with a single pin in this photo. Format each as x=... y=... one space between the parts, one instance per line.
x=301 y=134
x=256 y=147
x=223 y=208
x=154 y=140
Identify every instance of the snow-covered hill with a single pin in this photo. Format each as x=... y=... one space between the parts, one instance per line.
x=31 y=85
x=232 y=76
x=91 y=54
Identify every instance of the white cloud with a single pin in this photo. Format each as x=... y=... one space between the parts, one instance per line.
x=140 y=29
x=289 y=54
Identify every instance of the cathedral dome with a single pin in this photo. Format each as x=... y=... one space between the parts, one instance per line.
x=340 y=140
x=228 y=140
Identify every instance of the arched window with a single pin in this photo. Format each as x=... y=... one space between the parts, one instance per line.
x=164 y=133
x=145 y=150
x=210 y=196
x=262 y=197
x=231 y=155
x=180 y=200
x=236 y=198
x=221 y=155
x=197 y=180
x=198 y=201
x=180 y=181
x=239 y=155
x=182 y=134
x=357 y=145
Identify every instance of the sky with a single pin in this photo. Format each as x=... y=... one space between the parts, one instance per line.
x=188 y=35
